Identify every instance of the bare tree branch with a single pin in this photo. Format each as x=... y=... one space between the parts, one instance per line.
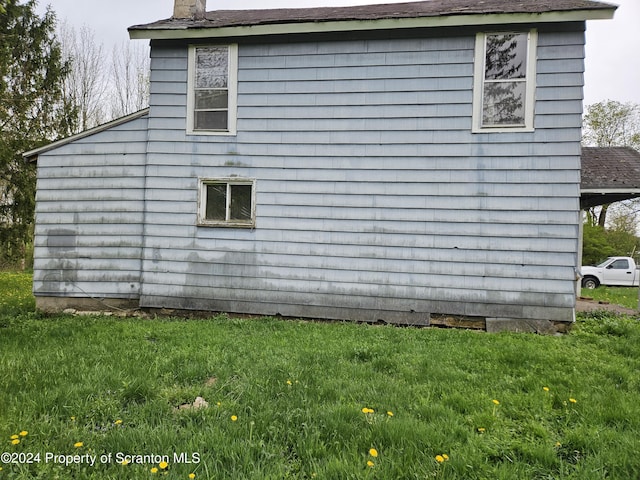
x=86 y=85
x=130 y=70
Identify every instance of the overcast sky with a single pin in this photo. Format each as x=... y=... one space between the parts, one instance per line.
x=612 y=52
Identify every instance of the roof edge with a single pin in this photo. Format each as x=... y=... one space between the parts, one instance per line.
x=32 y=155
x=283 y=28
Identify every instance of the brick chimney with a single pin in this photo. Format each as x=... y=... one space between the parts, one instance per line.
x=190 y=9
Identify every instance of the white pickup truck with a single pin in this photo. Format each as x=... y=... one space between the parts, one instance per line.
x=618 y=271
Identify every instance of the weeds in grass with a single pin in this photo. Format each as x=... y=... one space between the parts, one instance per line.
x=303 y=400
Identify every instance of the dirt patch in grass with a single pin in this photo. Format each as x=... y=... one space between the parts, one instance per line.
x=584 y=304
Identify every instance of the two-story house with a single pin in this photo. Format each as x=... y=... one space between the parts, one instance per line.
x=401 y=163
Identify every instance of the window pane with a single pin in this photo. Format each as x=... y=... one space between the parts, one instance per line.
x=620 y=265
x=216 y=208
x=211 y=120
x=212 y=67
x=240 y=202
x=211 y=99
x=503 y=103
x=208 y=80
x=506 y=56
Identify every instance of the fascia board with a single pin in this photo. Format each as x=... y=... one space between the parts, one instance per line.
x=368 y=25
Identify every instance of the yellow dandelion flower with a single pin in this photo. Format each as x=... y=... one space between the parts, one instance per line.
x=124 y=462
x=445 y=456
x=234 y=418
x=118 y=422
x=15 y=441
x=154 y=470
x=289 y=382
x=495 y=402
x=163 y=465
x=73 y=419
x=367 y=410
x=546 y=389
x=390 y=414
x=481 y=429
x=78 y=444
x=13 y=437
x=370 y=464
x=24 y=433
x=192 y=476
x=439 y=458
x=573 y=400
x=373 y=452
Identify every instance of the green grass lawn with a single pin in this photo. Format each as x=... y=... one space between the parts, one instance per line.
x=303 y=400
x=627 y=297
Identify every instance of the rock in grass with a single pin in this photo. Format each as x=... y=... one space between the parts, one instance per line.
x=196 y=405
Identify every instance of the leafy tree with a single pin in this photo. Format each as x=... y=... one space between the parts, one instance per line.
x=612 y=124
x=32 y=113
x=595 y=245
x=600 y=243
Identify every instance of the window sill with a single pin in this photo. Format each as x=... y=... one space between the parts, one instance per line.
x=212 y=133
x=226 y=224
x=502 y=129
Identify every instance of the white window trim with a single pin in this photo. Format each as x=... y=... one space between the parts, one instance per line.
x=232 y=89
x=478 y=85
x=202 y=202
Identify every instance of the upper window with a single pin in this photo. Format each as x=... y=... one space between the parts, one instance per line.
x=212 y=90
x=227 y=202
x=504 y=87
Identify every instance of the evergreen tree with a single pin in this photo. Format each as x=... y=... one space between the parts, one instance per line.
x=32 y=113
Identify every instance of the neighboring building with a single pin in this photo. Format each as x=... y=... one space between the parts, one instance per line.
x=404 y=163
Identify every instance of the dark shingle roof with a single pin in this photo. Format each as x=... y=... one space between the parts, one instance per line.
x=609 y=174
x=610 y=167
x=422 y=9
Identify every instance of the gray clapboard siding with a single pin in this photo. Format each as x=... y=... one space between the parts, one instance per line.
x=327 y=252
x=400 y=181
x=373 y=304
x=181 y=261
x=512 y=250
x=362 y=152
x=309 y=281
x=89 y=211
x=320 y=162
x=235 y=150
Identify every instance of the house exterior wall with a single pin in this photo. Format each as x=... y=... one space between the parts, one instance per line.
x=374 y=201
x=89 y=218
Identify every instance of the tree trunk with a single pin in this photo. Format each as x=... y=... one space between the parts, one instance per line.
x=602 y=218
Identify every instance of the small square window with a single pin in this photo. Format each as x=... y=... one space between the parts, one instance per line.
x=227 y=202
